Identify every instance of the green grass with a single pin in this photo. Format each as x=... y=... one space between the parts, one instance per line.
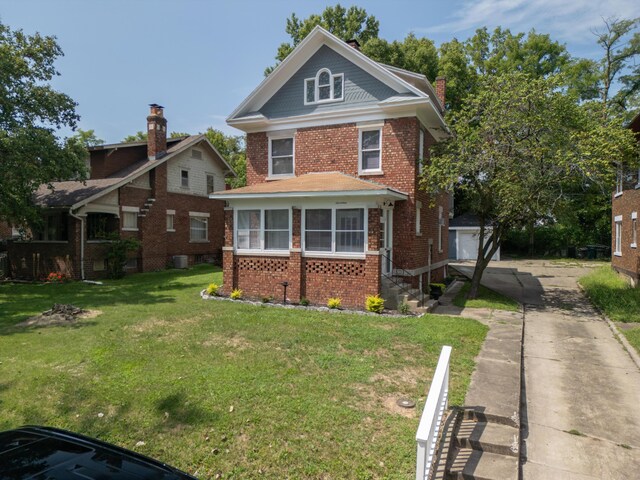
x=486 y=299
x=312 y=392
x=616 y=298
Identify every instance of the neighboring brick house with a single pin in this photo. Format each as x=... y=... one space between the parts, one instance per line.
x=625 y=206
x=332 y=204
x=155 y=191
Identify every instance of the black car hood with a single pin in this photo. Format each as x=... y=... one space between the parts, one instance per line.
x=51 y=454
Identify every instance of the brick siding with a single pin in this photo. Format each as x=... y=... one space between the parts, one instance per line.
x=629 y=262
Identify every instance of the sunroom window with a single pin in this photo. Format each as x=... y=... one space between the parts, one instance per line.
x=324 y=87
x=263 y=229
x=338 y=230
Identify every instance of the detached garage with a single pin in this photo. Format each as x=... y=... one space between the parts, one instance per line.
x=464 y=233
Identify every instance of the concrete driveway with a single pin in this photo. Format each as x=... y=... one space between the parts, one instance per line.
x=581 y=386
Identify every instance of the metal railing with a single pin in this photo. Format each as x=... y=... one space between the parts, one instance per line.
x=434 y=408
x=397 y=271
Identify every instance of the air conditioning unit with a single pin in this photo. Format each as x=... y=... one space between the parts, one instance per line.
x=180 y=261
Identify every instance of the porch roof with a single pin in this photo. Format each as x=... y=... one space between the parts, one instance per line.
x=323 y=184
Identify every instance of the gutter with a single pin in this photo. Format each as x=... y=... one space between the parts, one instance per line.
x=81 y=241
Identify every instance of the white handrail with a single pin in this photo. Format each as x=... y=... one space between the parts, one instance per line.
x=434 y=408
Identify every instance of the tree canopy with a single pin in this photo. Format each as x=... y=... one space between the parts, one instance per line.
x=519 y=141
x=351 y=23
x=31 y=115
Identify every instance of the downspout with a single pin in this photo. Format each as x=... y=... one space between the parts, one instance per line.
x=81 y=241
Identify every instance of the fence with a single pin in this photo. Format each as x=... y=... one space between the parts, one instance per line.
x=434 y=408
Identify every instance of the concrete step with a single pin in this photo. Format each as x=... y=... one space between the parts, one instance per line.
x=483 y=416
x=488 y=437
x=471 y=464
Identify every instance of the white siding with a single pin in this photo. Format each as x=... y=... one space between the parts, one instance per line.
x=142 y=181
x=198 y=170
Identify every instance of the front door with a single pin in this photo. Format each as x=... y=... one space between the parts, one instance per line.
x=386 y=237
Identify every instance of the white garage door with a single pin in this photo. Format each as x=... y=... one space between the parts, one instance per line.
x=468 y=246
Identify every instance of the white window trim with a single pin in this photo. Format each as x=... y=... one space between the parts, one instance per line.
x=199 y=215
x=619 y=183
x=172 y=213
x=316 y=94
x=135 y=210
x=184 y=169
x=206 y=181
x=361 y=130
x=418 y=219
x=618 y=236
x=333 y=253
x=420 y=150
x=440 y=227
x=634 y=216
x=280 y=136
x=261 y=250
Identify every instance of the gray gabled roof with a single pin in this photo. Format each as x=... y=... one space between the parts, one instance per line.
x=74 y=194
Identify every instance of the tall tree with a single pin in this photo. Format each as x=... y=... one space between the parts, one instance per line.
x=621 y=46
x=518 y=141
x=233 y=149
x=415 y=54
x=139 y=136
x=31 y=116
x=88 y=137
x=495 y=53
x=353 y=22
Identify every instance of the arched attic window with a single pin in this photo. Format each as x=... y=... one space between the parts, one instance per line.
x=324 y=87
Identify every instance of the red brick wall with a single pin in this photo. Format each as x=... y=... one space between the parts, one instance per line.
x=335 y=148
x=629 y=262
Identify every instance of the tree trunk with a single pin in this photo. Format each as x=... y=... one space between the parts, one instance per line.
x=481 y=265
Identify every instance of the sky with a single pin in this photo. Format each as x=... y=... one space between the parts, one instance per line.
x=201 y=58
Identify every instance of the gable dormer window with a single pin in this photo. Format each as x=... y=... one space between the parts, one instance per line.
x=324 y=87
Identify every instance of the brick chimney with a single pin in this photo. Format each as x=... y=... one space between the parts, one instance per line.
x=156 y=132
x=441 y=90
x=354 y=43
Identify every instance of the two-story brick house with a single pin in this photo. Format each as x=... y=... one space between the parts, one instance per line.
x=155 y=191
x=332 y=204
x=625 y=206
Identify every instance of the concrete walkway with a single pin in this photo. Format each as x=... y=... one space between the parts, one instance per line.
x=581 y=386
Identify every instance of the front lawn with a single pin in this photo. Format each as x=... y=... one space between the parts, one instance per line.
x=616 y=298
x=221 y=387
x=486 y=299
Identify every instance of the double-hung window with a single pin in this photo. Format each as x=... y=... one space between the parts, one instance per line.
x=198 y=227
x=130 y=218
x=263 y=229
x=619 y=181
x=618 y=236
x=634 y=229
x=370 y=151
x=334 y=230
x=281 y=156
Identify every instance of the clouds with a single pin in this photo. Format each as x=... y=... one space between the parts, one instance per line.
x=569 y=20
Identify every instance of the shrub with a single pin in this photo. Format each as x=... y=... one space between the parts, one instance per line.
x=117 y=254
x=334 y=302
x=374 y=304
x=236 y=293
x=213 y=288
x=440 y=286
x=304 y=301
x=267 y=299
x=404 y=308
